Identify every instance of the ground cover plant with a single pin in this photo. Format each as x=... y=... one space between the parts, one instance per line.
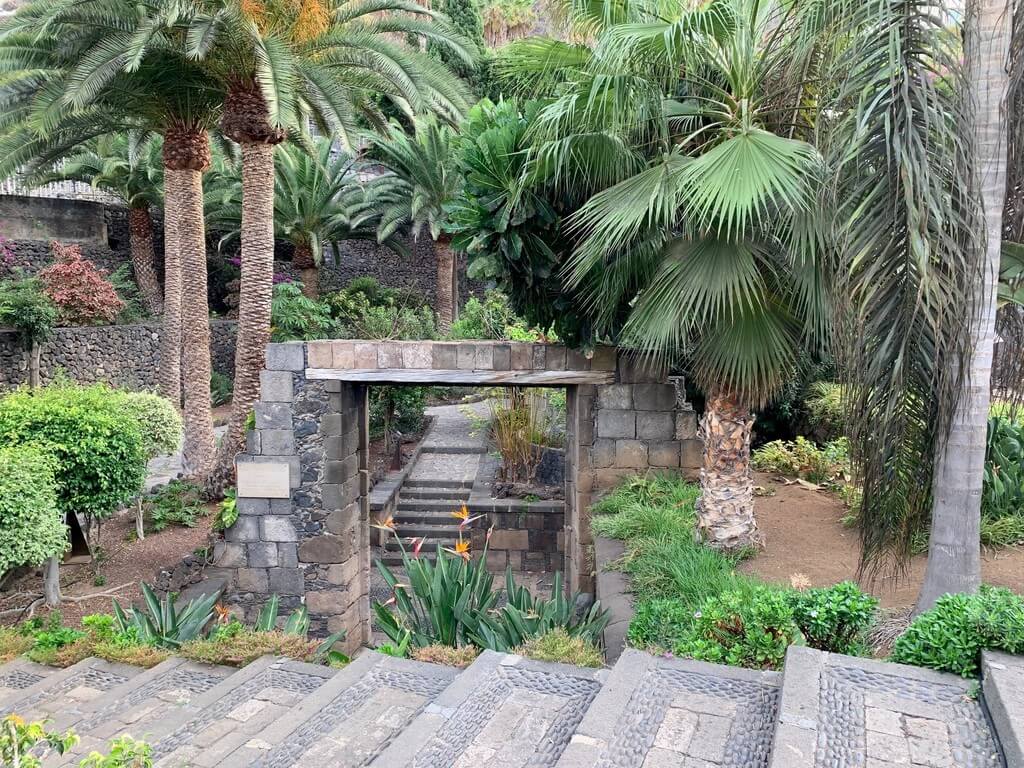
x=26 y=744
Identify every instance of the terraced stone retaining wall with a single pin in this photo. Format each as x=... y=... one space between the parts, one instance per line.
x=303 y=482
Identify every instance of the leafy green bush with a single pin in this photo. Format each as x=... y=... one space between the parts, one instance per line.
x=294 y=317
x=828 y=465
x=824 y=406
x=162 y=624
x=1002 y=492
x=396 y=408
x=493 y=318
x=32 y=527
x=177 y=503
x=951 y=636
x=123 y=281
x=227 y=511
x=100 y=461
x=25 y=305
x=221 y=388
x=660 y=624
x=561 y=647
x=743 y=629
x=834 y=618
x=158 y=421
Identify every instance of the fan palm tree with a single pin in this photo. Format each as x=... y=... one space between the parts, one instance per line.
x=423 y=181
x=319 y=200
x=709 y=236
x=128 y=166
x=54 y=101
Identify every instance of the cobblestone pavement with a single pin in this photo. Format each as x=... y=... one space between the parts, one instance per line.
x=821 y=711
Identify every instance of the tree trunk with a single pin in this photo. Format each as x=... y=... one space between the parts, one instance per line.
x=187 y=152
x=254 y=299
x=445 y=269
x=725 y=509
x=34 y=374
x=954 y=549
x=170 y=340
x=455 y=287
x=140 y=235
x=304 y=261
x=51 y=582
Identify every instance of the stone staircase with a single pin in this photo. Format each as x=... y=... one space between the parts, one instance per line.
x=821 y=711
x=424 y=510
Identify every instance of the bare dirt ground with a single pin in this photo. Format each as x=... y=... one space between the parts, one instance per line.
x=804 y=535
x=122 y=561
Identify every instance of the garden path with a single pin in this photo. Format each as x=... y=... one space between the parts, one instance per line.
x=163 y=469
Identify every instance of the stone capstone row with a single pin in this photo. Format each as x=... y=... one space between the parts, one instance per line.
x=504 y=711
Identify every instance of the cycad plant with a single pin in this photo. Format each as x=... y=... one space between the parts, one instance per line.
x=709 y=239
x=129 y=166
x=320 y=200
x=422 y=185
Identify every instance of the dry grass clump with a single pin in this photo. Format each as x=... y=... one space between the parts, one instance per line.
x=246 y=646
x=446 y=655
x=12 y=644
x=558 y=646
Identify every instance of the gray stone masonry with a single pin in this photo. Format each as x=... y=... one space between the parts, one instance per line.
x=304 y=485
x=503 y=711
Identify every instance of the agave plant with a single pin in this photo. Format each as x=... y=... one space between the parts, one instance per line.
x=297 y=624
x=162 y=624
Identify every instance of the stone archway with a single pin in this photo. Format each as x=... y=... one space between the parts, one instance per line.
x=303 y=530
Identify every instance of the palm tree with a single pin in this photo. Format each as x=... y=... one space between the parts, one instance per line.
x=319 y=200
x=706 y=236
x=423 y=180
x=71 y=75
x=128 y=166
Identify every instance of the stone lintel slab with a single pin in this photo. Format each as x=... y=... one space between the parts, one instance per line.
x=461 y=377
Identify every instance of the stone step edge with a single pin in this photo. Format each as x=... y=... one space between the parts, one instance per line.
x=54 y=681
x=401 y=751
x=1002 y=688
x=436 y=483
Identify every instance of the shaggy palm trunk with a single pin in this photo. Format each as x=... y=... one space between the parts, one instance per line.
x=304 y=262
x=140 y=235
x=445 y=283
x=725 y=509
x=170 y=339
x=187 y=151
x=954 y=550
x=246 y=121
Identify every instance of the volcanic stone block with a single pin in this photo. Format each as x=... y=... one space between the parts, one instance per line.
x=631 y=454
x=655 y=425
x=276 y=387
x=287 y=356
x=277 y=442
x=686 y=425
x=602 y=453
x=343 y=354
x=417 y=355
x=245 y=529
x=615 y=396
x=262 y=555
x=273 y=528
x=444 y=356
x=365 y=354
x=286 y=581
x=319 y=354
x=273 y=415
x=663 y=453
x=325 y=548
x=619 y=424
x=654 y=397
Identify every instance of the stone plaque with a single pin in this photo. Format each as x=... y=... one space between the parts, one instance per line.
x=263 y=481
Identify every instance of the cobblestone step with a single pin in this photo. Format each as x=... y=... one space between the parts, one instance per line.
x=429 y=517
x=674 y=713
x=19 y=674
x=438 y=506
x=502 y=711
x=409 y=530
x=83 y=682
x=218 y=722
x=1003 y=689
x=427 y=482
x=841 y=710
x=456 y=494
x=350 y=719
x=149 y=705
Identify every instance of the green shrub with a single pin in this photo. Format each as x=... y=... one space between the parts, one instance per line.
x=24 y=305
x=396 y=408
x=158 y=421
x=824 y=406
x=227 y=511
x=163 y=624
x=50 y=637
x=123 y=280
x=493 y=318
x=221 y=388
x=561 y=647
x=177 y=503
x=743 y=629
x=294 y=317
x=660 y=624
x=13 y=643
x=951 y=636
x=1002 y=492
x=828 y=465
x=100 y=461
x=834 y=618
x=32 y=527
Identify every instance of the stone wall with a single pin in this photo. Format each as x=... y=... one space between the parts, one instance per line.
x=303 y=482
x=123 y=355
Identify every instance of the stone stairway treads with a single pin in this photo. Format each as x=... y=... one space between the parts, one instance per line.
x=236 y=710
x=19 y=674
x=845 y=711
x=674 y=713
x=350 y=719
x=502 y=712
x=1003 y=687
x=85 y=681
x=436 y=482
x=458 y=494
x=148 y=706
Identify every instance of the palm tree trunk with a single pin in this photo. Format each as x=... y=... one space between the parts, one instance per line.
x=170 y=340
x=187 y=152
x=445 y=270
x=254 y=297
x=954 y=549
x=304 y=261
x=35 y=378
x=725 y=509
x=140 y=235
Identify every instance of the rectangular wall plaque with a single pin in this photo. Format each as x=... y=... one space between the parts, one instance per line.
x=263 y=481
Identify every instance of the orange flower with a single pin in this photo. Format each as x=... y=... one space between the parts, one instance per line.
x=387 y=524
x=461 y=549
x=463 y=516
x=223 y=614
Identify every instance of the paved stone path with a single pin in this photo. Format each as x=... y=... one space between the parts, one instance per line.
x=822 y=711
x=163 y=469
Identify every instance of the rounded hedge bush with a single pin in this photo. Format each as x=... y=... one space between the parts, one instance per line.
x=31 y=524
x=158 y=421
x=97 y=447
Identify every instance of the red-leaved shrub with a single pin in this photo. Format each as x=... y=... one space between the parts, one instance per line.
x=82 y=294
